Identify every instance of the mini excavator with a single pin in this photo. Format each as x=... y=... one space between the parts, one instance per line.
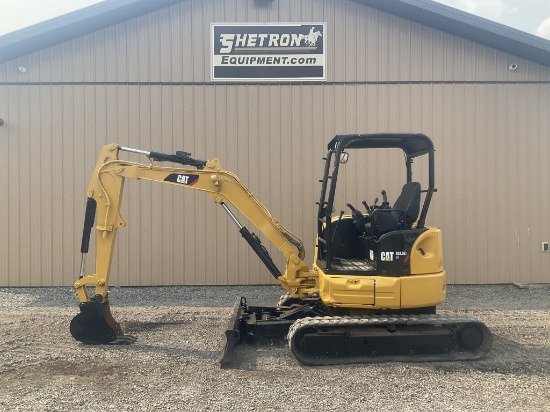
x=370 y=294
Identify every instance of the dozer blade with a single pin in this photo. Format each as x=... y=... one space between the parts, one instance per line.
x=232 y=334
x=95 y=325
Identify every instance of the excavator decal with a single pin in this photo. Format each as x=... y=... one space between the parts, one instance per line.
x=183 y=179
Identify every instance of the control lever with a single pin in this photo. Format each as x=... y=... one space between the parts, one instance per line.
x=375 y=206
x=359 y=220
x=356 y=214
x=337 y=224
x=385 y=203
x=366 y=206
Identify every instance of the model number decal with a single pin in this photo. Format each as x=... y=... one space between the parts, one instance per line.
x=391 y=256
x=182 y=179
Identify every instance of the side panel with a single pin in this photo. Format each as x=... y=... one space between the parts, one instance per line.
x=427 y=253
x=380 y=292
x=422 y=291
x=344 y=291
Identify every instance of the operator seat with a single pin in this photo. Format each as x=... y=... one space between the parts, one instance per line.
x=403 y=214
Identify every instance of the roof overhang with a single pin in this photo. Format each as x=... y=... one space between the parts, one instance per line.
x=425 y=12
x=468 y=26
x=75 y=24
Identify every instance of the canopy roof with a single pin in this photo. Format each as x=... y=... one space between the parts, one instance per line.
x=413 y=144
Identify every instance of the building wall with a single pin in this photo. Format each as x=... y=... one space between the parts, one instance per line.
x=146 y=84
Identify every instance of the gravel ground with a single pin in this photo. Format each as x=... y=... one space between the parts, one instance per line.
x=173 y=365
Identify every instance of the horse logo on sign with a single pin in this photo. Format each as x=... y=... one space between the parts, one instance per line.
x=311 y=38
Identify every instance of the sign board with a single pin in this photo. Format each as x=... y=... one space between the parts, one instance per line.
x=268 y=52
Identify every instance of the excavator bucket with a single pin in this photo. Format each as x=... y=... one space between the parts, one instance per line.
x=95 y=325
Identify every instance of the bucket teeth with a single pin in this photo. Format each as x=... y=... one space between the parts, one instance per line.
x=124 y=340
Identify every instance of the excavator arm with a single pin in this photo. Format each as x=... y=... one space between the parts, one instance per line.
x=95 y=324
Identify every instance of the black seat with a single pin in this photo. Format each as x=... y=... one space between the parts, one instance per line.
x=409 y=202
x=404 y=212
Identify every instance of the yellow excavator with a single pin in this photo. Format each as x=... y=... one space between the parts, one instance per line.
x=370 y=294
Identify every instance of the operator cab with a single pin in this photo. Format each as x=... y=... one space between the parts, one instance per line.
x=376 y=240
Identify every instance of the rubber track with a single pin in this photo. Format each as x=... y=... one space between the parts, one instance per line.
x=381 y=320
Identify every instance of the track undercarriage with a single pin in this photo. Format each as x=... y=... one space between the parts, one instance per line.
x=315 y=338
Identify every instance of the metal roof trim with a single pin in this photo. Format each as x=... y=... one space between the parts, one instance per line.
x=78 y=23
x=462 y=24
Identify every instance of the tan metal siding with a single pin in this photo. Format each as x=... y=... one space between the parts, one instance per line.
x=490 y=174
x=133 y=84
